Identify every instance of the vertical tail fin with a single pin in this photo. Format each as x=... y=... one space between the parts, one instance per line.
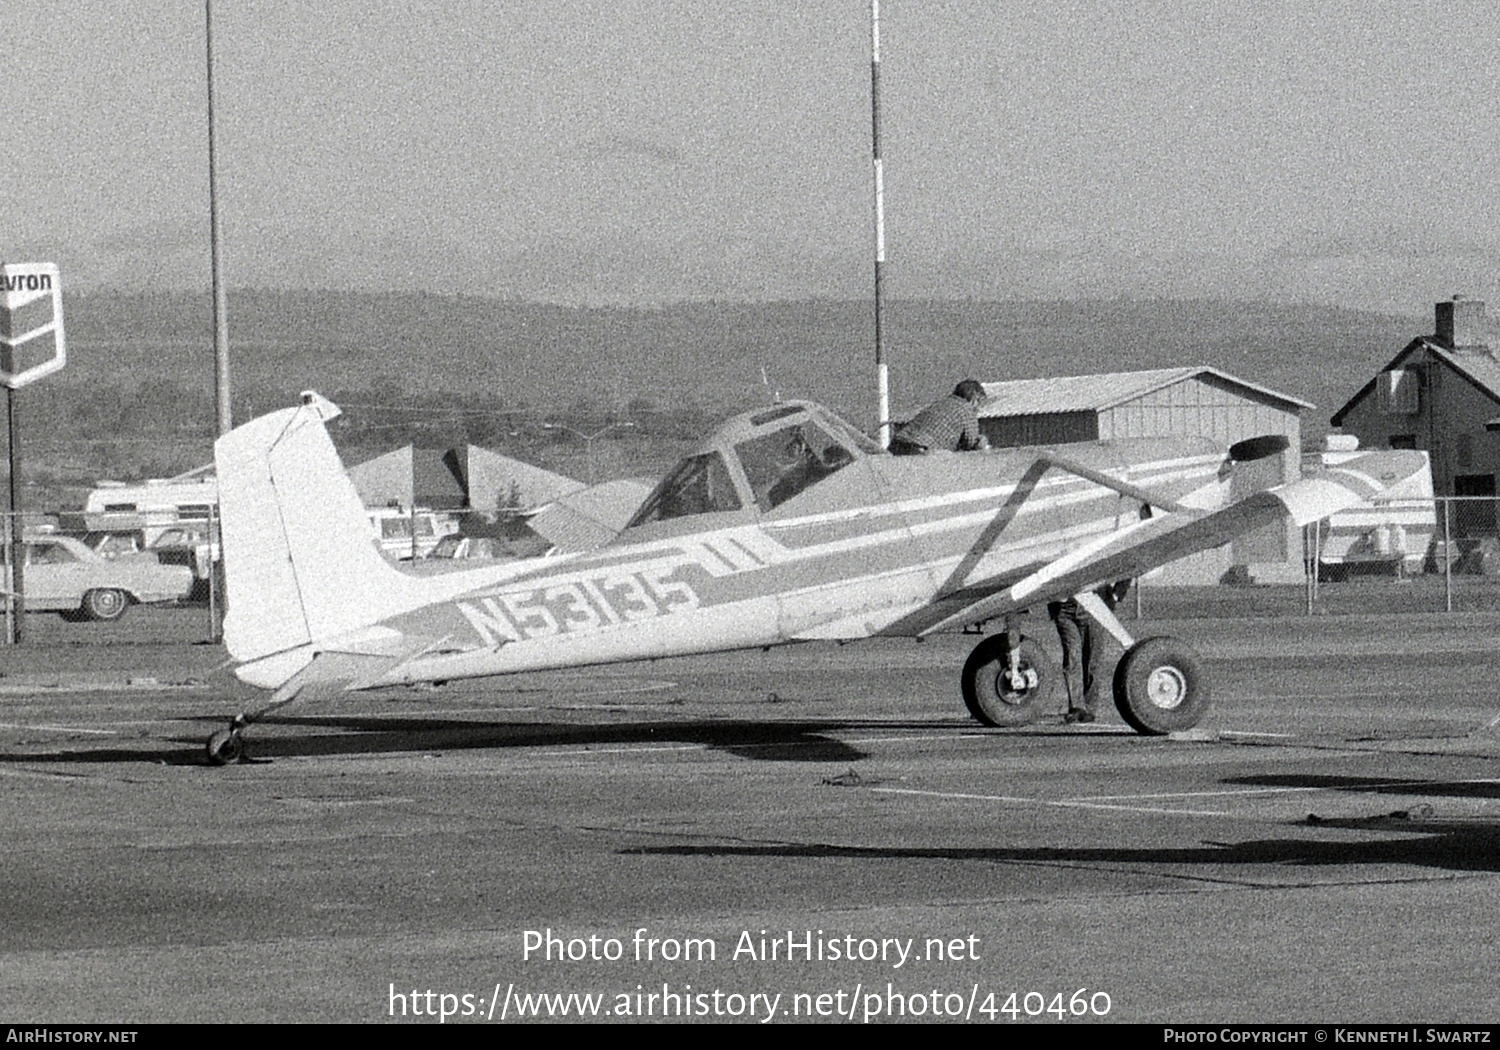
x=300 y=565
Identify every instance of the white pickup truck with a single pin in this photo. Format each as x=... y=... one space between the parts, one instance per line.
x=1395 y=532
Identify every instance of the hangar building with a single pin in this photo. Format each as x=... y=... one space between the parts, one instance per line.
x=1437 y=394
x=1187 y=401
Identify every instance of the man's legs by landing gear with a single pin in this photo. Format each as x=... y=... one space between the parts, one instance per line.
x=1073 y=632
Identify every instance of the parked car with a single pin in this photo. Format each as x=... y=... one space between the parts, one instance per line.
x=63 y=575
x=115 y=544
x=462 y=548
x=187 y=545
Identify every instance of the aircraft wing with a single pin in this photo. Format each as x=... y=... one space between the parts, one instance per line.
x=1145 y=545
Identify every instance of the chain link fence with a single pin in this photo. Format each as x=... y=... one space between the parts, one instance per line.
x=154 y=581
x=1449 y=538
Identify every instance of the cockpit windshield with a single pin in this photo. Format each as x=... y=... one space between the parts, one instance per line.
x=863 y=442
x=698 y=485
x=762 y=458
x=784 y=462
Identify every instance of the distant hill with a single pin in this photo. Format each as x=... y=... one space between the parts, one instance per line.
x=707 y=355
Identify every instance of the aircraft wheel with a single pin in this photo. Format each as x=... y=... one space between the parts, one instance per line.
x=105 y=603
x=1160 y=687
x=996 y=696
x=226 y=747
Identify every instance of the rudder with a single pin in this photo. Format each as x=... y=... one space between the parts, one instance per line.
x=300 y=565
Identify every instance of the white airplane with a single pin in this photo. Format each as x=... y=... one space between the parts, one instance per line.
x=785 y=525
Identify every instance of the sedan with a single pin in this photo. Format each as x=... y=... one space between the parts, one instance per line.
x=63 y=575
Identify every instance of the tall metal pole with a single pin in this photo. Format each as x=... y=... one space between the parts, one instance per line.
x=1308 y=566
x=215 y=236
x=15 y=526
x=882 y=376
x=1447 y=555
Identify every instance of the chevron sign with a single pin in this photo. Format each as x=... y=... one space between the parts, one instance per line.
x=31 y=323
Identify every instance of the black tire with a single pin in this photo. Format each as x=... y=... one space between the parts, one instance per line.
x=226 y=747
x=1160 y=687
x=989 y=694
x=105 y=603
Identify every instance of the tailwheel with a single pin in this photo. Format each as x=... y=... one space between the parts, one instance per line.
x=1007 y=684
x=1160 y=687
x=227 y=746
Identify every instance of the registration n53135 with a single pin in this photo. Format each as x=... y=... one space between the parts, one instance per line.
x=581 y=605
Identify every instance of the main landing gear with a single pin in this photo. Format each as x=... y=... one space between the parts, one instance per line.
x=1008 y=680
x=1159 y=685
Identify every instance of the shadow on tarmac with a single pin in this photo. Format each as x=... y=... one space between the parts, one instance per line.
x=763 y=741
x=1375 y=785
x=1459 y=846
x=1453 y=845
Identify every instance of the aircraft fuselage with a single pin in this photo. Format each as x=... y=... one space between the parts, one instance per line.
x=888 y=545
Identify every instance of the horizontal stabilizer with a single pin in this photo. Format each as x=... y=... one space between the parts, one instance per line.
x=589 y=518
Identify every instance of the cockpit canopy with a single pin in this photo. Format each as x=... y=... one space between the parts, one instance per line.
x=759 y=459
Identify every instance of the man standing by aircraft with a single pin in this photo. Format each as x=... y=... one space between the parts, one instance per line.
x=1080 y=651
x=948 y=425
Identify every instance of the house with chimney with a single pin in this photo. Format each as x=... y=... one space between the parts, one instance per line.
x=1441 y=394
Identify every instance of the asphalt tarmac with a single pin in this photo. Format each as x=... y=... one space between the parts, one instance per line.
x=814 y=833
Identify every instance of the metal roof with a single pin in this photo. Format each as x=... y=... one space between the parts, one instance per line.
x=1095 y=393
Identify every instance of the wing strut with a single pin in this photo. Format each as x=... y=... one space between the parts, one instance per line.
x=1105 y=617
x=1124 y=488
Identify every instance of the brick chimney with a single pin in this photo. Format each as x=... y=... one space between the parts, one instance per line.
x=1460 y=323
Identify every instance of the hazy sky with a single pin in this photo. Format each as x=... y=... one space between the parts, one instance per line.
x=645 y=151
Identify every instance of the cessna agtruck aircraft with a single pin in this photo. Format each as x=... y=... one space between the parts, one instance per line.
x=785 y=525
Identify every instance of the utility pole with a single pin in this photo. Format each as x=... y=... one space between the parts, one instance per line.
x=216 y=248
x=882 y=376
